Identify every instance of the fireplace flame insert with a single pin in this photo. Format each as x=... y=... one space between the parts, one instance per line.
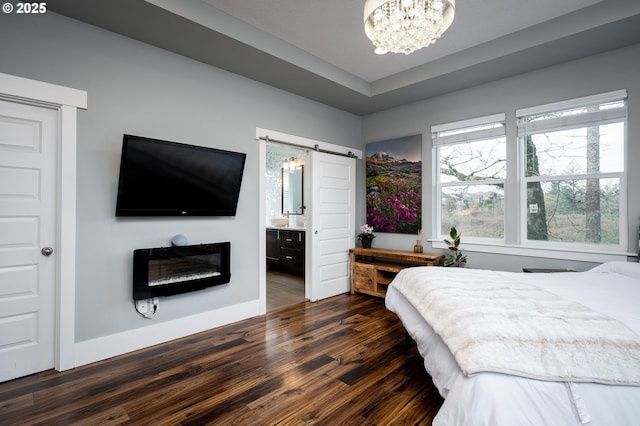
x=172 y=270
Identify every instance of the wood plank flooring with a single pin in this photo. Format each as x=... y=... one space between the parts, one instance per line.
x=284 y=289
x=341 y=361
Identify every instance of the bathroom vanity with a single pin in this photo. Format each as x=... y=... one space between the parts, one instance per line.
x=285 y=249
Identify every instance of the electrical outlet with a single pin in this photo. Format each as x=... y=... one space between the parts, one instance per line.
x=142 y=306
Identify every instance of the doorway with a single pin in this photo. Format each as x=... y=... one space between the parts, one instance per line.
x=285 y=200
x=328 y=233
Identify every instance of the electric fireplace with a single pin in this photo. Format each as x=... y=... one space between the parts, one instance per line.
x=172 y=270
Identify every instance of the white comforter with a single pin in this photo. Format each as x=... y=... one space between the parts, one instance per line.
x=492 y=321
x=500 y=399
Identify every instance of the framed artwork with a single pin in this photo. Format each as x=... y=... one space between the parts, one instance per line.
x=394 y=185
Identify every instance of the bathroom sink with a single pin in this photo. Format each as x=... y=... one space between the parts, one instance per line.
x=279 y=222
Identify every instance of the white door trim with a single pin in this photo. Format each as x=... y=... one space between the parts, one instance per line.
x=262 y=203
x=66 y=100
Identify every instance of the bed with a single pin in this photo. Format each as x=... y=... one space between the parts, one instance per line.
x=477 y=331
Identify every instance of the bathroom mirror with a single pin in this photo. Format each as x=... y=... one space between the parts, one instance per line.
x=292 y=196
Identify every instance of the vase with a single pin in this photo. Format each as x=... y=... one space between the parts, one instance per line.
x=366 y=243
x=417 y=248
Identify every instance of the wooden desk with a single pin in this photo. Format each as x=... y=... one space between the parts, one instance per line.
x=373 y=269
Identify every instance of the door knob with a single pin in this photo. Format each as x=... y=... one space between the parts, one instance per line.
x=47 y=251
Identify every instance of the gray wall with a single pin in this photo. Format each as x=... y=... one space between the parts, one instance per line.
x=135 y=88
x=614 y=70
x=138 y=89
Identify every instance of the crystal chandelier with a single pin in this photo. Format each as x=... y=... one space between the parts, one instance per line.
x=404 y=26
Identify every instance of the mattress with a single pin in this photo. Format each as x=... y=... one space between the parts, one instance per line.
x=498 y=399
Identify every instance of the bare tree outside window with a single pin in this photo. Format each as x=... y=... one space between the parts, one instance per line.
x=472 y=176
x=593 y=224
x=573 y=179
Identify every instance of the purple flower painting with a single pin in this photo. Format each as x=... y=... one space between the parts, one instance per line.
x=394 y=185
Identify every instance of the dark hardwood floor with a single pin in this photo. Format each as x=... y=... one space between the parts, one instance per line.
x=341 y=361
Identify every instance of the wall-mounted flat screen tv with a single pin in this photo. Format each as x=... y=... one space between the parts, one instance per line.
x=162 y=178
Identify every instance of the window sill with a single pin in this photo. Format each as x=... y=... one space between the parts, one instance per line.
x=544 y=252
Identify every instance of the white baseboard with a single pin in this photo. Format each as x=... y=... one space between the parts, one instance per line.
x=117 y=344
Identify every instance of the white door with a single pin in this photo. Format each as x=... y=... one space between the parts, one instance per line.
x=332 y=228
x=28 y=152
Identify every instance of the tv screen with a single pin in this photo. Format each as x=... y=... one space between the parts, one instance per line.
x=162 y=178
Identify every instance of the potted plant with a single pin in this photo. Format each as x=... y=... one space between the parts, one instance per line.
x=455 y=257
x=366 y=235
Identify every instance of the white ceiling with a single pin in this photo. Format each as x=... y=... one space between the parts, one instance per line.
x=318 y=49
x=333 y=30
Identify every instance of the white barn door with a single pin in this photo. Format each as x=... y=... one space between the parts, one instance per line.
x=28 y=158
x=332 y=230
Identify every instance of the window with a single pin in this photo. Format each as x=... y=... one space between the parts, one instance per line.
x=566 y=183
x=573 y=189
x=470 y=176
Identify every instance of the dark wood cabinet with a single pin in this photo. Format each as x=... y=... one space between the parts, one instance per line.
x=273 y=247
x=285 y=250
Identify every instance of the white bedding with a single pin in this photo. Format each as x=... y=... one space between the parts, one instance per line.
x=499 y=399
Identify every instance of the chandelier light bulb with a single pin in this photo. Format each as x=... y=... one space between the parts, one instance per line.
x=404 y=26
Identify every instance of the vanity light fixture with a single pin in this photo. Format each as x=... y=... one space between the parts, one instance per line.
x=290 y=165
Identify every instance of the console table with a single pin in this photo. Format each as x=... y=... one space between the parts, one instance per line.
x=373 y=269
